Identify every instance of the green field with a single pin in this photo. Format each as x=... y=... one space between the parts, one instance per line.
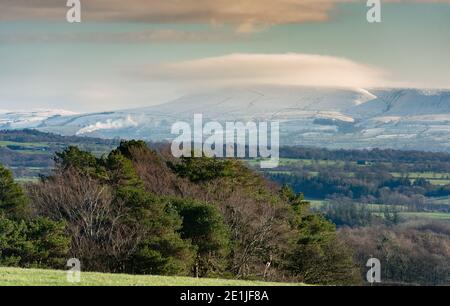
x=317 y=204
x=426 y=175
x=24 y=144
x=34 y=277
x=440 y=200
x=435 y=178
x=378 y=208
x=426 y=215
x=293 y=161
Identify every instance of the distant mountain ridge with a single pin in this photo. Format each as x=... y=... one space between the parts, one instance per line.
x=330 y=117
x=29 y=119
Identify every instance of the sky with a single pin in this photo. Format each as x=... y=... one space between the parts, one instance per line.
x=127 y=54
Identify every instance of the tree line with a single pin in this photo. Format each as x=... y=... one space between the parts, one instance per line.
x=139 y=211
x=366 y=184
x=416 y=253
x=372 y=155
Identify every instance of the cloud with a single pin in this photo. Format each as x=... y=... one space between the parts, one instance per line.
x=275 y=69
x=175 y=11
x=134 y=37
x=247 y=15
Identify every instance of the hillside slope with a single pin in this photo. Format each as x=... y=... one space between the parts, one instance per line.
x=35 y=277
x=334 y=118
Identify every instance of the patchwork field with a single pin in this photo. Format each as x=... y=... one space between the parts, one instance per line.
x=403 y=211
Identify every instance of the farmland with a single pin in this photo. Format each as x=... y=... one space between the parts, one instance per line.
x=390 y=198
x=379 y=185
x=29 y=154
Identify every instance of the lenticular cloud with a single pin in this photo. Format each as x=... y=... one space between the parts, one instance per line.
x=277 y=69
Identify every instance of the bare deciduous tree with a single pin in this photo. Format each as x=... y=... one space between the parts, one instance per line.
x=93 y=217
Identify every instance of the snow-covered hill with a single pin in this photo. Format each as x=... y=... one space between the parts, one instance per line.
x=264 y=102
x=29 y=119
x=337 y=118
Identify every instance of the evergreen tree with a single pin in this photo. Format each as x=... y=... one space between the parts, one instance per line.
x=317 y=256
x=204 y=226
x=203 y=169
x=161 y=249
x=26 y=241
x=13 y=202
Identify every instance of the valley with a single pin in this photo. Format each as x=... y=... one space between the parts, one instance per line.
x=415 y=183
x=382 y=202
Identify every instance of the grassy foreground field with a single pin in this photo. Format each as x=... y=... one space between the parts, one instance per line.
x=34 y=277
